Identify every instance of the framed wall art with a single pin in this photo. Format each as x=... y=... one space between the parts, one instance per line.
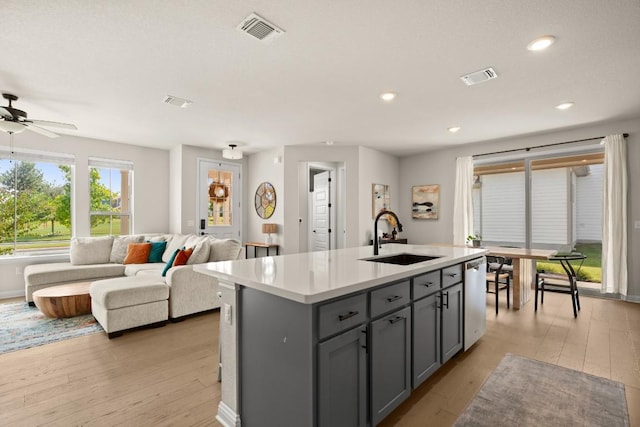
x=425 y=201
x=379 y=198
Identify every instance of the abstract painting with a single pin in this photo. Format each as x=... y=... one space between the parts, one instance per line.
x=425 y=201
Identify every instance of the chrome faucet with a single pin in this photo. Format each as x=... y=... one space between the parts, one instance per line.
x=376 y=241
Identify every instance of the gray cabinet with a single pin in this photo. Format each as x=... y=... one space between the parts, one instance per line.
x=390 y=357
x=426 y=338
x=452 y=321
x=342 y=380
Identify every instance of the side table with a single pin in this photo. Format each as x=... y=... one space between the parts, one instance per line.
x=257 y=245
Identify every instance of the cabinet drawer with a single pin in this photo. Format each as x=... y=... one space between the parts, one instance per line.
x=426 y=284
x=341 y=315
x=390 y=297
x=451 y=275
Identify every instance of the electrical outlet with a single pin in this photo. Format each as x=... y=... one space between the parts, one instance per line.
x=19 y=270
x=191 y=223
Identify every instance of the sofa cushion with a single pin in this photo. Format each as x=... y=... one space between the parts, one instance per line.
x=157 y=249
x=90 y=250
x=176 y=241
x=224 y=249
x=128 y=291
x=154 y=268
x=201 y=248
x=120 y=246
x=137 y=253
x=60 y=272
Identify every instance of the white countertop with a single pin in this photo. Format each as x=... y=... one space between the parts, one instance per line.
x=314 y=277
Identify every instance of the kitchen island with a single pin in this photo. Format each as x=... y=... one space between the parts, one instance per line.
x=332 y=337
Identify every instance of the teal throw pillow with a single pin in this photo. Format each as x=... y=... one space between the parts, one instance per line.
x=170 y=262
x=157 y=249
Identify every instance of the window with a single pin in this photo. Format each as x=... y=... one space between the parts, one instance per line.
x=35 y=202
x=560 y=208
x=110 y=196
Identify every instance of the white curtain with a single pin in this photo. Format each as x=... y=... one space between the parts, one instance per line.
x=463 y=202
x=614 y=216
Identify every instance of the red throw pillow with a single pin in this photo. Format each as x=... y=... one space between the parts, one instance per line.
x=182 y=257
x=137 y=253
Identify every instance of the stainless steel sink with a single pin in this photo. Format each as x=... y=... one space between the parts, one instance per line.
x=402 y=259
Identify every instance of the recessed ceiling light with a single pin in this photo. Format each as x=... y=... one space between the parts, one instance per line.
x=454 y=129
x=564 y=106
x=388 y=96
x=541 y=43
x=329 y=142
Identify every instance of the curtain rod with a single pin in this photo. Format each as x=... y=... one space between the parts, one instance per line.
x=543 y=146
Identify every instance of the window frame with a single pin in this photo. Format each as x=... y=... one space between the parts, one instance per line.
x=114 y=166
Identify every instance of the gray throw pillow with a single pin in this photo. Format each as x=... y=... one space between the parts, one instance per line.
x=120 y=246
x=224 y=249
x=90 y=250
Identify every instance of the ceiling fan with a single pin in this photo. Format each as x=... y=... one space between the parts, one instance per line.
x=15 y=121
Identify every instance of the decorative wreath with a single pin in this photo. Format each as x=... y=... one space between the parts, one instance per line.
x=218 y=191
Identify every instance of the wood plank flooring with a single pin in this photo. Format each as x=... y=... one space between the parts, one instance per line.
x=167 y=376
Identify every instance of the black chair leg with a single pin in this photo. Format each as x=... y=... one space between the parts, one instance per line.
x=508 y=292
x=497 y=289
x=536 y=293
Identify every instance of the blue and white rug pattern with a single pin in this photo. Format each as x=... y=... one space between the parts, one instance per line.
x=22 y=326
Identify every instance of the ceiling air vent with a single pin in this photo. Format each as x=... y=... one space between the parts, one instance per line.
x=177 y=102
x=479 y=76
x=260 y=28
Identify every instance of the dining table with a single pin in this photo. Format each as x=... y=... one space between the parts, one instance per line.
x=524 y=269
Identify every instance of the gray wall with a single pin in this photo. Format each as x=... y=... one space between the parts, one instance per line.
x=438 y=167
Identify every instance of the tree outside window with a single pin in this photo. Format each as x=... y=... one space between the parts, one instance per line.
x=110 y=197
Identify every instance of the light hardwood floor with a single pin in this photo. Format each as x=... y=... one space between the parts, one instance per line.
x=167 y=376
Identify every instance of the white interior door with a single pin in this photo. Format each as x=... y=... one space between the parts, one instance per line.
x=219 y=198
x=320 y=213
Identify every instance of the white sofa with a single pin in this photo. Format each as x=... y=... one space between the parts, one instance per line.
x=100 y=260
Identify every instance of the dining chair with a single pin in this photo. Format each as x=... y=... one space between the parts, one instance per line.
x=557 y=283
x=499 y=277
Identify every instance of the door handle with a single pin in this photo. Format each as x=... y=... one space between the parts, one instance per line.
x=446 y=304
x=394 y=298
x=347 y=316
x=203 y=224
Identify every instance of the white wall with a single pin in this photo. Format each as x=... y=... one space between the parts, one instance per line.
x=150 y=191
x=438 y=167
x=377 y=168
x=260 y=168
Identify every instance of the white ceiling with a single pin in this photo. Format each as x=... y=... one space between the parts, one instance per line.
x=106 y=66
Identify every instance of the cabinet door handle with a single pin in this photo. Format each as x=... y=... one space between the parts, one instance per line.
x=446 y=304
x=452 y=274
x=396 y=319
x=348 y=315
x=428 y=284
x=394 y=298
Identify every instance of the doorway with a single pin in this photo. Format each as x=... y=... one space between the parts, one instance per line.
x=325 y=195
x=219 y=198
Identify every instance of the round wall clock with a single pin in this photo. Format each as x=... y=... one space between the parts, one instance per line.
x=265 y=200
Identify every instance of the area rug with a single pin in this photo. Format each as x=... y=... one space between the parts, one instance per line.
x=22 y=326
x=525 y=392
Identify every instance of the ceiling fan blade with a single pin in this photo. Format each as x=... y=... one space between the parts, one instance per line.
x=41 y=131
x=5 y=113
x=53 y=124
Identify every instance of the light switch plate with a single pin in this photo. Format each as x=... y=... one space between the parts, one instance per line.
x=227 y=313
x=636 y=225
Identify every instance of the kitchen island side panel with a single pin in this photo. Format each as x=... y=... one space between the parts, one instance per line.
x=277 y=374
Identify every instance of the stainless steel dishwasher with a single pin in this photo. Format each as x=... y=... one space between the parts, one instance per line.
x=475 y=300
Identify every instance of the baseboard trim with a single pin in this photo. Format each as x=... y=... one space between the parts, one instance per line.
x=11 y=294
x=227 y=416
